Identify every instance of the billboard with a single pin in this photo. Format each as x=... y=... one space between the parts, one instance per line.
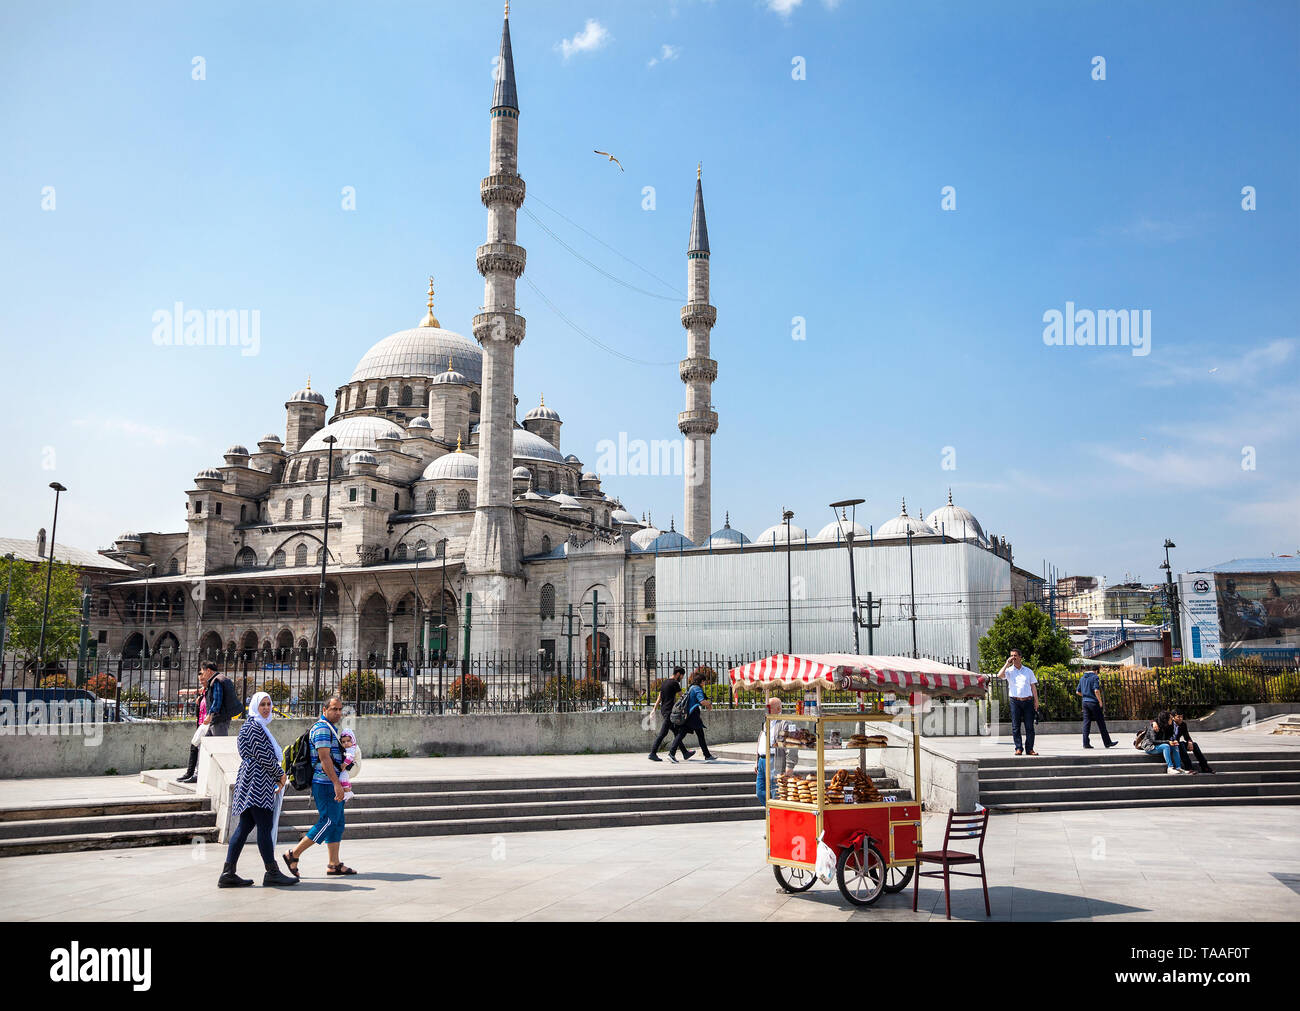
x=1259 y=613
x=1200 y=613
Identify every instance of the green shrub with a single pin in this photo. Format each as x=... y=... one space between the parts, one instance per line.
x=278 y=690
x=474 y=688
x=589 y=690
x=55 y=681
x=134 y=700
x=362 y=686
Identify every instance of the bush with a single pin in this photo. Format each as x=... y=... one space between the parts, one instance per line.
x=278 y=690
x=55 y=681
x=710 y=675
x=474 y=688
x=361 y=686
x=589 y=690
x=102 y=684
x=1056 y=687
x=134 y=699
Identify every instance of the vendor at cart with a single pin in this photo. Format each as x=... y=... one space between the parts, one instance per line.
x=783 y=759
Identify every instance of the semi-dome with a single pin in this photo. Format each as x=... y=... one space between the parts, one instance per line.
x=644 y=537
x=128 y=536
x=521 y=474
x=901 y=524
x=353 y=434
x=564 y=501
x=776 y=534
x=456 y=466
x=835 y=531
x=727 y=535
x=956 y=522
x=529 y=446
x=624 y=518
x=542 y=413
x=423 y=351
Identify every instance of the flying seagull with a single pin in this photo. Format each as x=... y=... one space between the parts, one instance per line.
x=613 y=159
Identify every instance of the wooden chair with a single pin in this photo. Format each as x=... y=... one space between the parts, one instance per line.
x=960 y=826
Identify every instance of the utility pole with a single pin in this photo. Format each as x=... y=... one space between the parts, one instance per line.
x=870 y=606
x=1171 y=591
x=83 y=644
x=49 y=575
x=853 y=583
x=324 y=560
x=786 y=516
x=911 y=575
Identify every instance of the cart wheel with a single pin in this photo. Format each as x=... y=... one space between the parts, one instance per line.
x=794 y=879
x=898 y=877
x=862 y=882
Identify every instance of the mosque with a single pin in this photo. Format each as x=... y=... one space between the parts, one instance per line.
x=441 y=522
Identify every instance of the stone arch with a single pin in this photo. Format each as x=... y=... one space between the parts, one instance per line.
x=246 y=559
x=372 y=629
x=363 y=397
x=383 y=397
x=284 y=646
x=293 y=471
x=279 y=559
x=546 y=544
x=210 y=646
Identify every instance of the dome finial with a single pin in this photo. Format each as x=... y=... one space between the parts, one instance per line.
x=309 y=380
x=905 y=506
x=543 y=399
x=950 y=496
x=458 y=449
x=699 y=170
x=507 y=10
x=430 y=319
x=727 y=525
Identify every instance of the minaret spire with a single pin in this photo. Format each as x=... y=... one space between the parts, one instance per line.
x=698 y=371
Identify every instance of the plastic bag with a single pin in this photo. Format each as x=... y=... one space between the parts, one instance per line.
x=825 y=866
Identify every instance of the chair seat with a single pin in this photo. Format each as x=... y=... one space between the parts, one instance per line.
x=947 y=857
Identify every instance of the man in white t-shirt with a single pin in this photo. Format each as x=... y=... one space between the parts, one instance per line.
x=783 y=759
x=1022 y=687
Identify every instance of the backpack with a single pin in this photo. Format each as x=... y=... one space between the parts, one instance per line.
x=678 y=715
x=232 y=707
x=1140 y=740
x=297 y=762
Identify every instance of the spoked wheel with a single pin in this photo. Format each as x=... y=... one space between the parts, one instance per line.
x=862 y=879
x=898 y=877
x=794 y=879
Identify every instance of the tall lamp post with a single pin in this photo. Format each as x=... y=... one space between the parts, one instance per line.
x=324 y=561
x=911 y=575
x=1171 y=594
x=442 y=619
x=49 y=575
x=853 y=582
x=786 y=516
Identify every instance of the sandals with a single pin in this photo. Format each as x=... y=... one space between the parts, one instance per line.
x=1019 y=751
x=338 y=870
x=291 y=862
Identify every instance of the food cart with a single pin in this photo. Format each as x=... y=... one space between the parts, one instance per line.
x=875 y=836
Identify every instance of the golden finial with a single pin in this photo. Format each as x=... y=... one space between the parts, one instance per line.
x=430 y=319
x=309 y=380
x=699 y=170
x=449 y=368
x=543 y=399
x=507 y=10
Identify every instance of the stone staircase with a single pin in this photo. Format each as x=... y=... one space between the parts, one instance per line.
x=1290 y=725
x=68 y=826
x=1124 y=778
x=396 y=808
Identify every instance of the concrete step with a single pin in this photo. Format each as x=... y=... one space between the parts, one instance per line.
x=1202 y=787
x=126 y=823
x=1147 y=777
x=650 y=778
x=542 y=823
x=1138 y=766
x=1152 y=802
x=101 y=808
x=105 y=841
x=1126 y=753
x=165 y=780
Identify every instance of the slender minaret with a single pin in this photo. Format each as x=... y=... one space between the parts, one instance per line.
x=493 y=560
x=698 y=371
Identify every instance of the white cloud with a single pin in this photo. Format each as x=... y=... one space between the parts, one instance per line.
x=666 y=53
x=593 y=36
x=783 y=7
x=1206 y=365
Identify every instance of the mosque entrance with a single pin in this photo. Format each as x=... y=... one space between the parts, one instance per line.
x=602 y=662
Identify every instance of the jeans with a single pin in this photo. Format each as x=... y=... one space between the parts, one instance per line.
x=1022 y=709
x=1169 y=753
x=253 y=817
x=1092 y=714
x=221 y=729
x=760 y=779
x=694 y=724
x=329 y=826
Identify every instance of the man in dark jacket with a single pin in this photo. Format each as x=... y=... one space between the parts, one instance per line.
x=668 y=693
x=1184 y=741
x=1093 y=708
x=223 y=701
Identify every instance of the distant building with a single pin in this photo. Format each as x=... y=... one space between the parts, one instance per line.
x=1072 y=586
x=1130 y=601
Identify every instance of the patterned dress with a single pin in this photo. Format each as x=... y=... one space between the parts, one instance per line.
x=259 y=772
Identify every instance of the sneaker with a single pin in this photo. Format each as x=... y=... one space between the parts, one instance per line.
x=710 y=758
x=655 y=758
x=688 y=755
x=1087 y=747
x=1113 y=744
x=1171 y=771
x=672 y=758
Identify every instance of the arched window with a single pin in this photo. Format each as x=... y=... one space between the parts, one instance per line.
x=548 y=601
x=462 y=500
x=422 y=550
x=363 y=397
x=473 y=403
x=546 y=544
x=300 y=555
x=397 y=500
x=347 y=398
x=313 y=470
x=338 y=466
x=383 y=397
x=293 y=471
x=406 y=396
x=320 y=555
x=400 y=554
x=431 y=502
x=650 y=594
x=173 y=567
x=306 y=507
x=278 y=560
x=246 y=559
x=440 y=550
x=288 y=508
x=243 y=513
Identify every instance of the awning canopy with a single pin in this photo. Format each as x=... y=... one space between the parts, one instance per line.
x=847 y=672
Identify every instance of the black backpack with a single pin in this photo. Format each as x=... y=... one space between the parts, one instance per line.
x=297 y=763
x=678 y=715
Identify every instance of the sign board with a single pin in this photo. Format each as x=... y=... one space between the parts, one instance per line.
x=1200 y=604
x=1178 y=655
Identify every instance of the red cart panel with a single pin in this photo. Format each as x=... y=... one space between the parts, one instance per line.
x=792 y=835
x=898 y=820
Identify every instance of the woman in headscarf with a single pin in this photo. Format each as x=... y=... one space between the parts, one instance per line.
x=257 y=787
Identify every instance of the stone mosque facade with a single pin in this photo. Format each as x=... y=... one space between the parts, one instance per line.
x=440 y=499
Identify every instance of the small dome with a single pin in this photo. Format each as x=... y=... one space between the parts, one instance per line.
x=644 y=537
x=901 y=524
x=776 y=535
x=363 y=458
x=727 y=535
x=589 y=476
x=522 y=474
x=237 y=450
x=529 y=446
x=835 y=531
x=451 y=376
x=271 y=437
x=421 y=423
x=564 y=501
x=958 y=523
x=532 y=496
x=542 y=413
x=572 y=461
x=128 y=536
x=307 y=396
x=670 y=541
x=209 y=474
x=356 y=433
x=622 y=517
x=456 y=466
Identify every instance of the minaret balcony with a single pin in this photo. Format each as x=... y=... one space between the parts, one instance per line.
x=697 y=422
x=502 y=258
x=499 y=326
x=699 y=314
x=698 y=370
x=503 y=189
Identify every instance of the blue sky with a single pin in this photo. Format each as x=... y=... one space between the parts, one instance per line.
x=924 y=326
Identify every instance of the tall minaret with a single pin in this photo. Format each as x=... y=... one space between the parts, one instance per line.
x=699 y=421
x=492 y=556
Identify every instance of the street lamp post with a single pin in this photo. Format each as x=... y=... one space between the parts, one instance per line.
x=49 y=575
x=786 y=516
x=853 y=582
x=1171 y=592
x=442 y=619
x=911 y=575
x=324 y=561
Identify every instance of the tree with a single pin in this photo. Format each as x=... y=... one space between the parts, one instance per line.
x=1028 y=629
x=1155 y=616
x=27 y=601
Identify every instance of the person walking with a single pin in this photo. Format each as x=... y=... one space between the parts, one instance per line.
x=1022 y=687
x=191 y=770
x=1183 y=738
x=1094 y=710
x=259 y=789
x=223 y=703
x=326 y=791
x=668 y=692
x=695 y=702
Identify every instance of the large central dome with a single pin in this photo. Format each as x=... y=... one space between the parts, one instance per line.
x=421 y=352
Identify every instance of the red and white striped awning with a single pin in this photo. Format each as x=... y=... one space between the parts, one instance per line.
x=844 y=671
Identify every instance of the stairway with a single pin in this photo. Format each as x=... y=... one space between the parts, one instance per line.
x=69 y=826
x=1124 y=778
x=1290 y=725
x=396 y=808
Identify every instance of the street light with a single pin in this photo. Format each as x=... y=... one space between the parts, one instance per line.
x=1171 y=597
x=49 y=574
x=911 y=575
x=442 y=620
x=324 y=561
x=848 y=537
x=786 y=516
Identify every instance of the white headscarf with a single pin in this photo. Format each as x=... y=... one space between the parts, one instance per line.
x=265 y=722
